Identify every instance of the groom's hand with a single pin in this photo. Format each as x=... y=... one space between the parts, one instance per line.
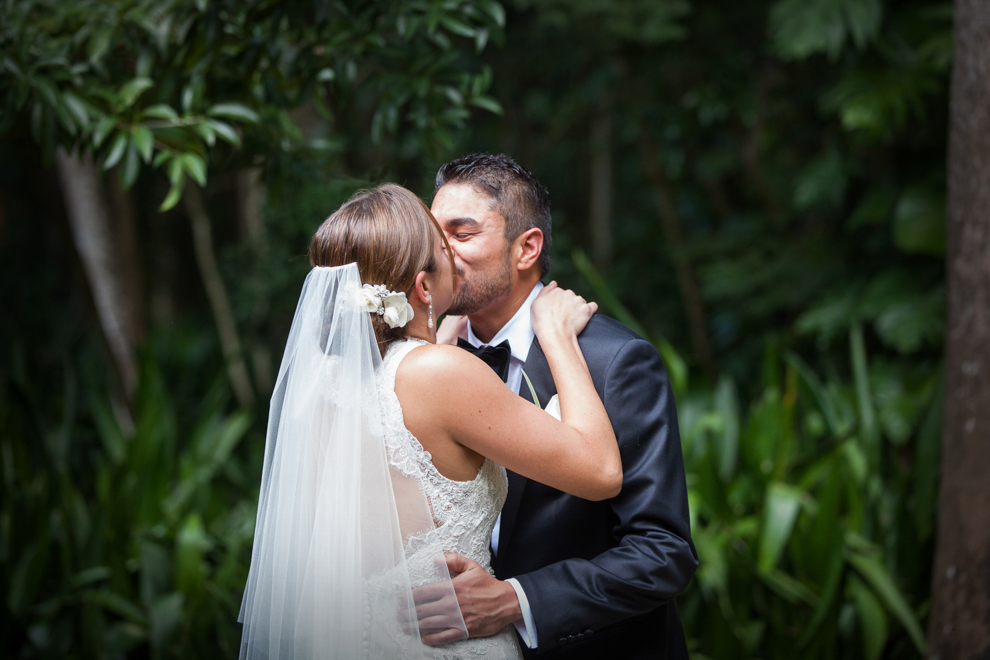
x=487 y=604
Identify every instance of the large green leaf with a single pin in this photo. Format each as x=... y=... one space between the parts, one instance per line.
x=824 y=538
x=765 y=442
x=872 y=619
x=869 y=432
x=102 y=130
x=487 y=103
x=790 y=589
x=727 y=405
x=173 y=196
x=131 y=167
x=886 y=589
x=827 y=597
x=117 y=149
x=780 y=511
x=801 y=28
x=161 y=111
x=826 y=399
x=225 y=131
x=144 y=142
x=194 y=166
x=131 y=90
x=234 y=111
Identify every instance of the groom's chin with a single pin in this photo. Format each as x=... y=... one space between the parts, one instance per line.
x=458 y=310
x=464 y=306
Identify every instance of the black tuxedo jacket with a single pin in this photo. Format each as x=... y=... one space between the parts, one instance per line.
x=601 y=577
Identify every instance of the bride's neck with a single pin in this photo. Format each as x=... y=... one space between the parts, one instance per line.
x=417 y=329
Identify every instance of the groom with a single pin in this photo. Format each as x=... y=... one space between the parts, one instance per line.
x=578 y=579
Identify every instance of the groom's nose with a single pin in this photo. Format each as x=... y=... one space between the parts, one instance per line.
x=459 y=264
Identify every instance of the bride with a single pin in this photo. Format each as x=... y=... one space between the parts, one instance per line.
x=385 y=450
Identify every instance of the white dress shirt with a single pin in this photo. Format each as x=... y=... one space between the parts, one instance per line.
x=519 y=331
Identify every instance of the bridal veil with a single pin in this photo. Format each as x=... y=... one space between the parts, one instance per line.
x=330 y=577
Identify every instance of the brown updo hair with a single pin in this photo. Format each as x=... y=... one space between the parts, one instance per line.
x=391 y=234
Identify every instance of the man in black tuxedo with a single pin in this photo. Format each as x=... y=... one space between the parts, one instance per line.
x=578 y=579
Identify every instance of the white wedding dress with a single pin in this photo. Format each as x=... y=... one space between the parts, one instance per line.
x=464 y=512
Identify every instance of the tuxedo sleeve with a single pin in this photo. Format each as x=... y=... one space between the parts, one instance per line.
x=654 y=559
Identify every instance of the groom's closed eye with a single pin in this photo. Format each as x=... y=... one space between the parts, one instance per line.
x=461 y=228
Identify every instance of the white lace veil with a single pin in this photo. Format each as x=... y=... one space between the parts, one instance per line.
x=329 y=574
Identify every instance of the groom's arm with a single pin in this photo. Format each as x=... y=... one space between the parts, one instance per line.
x=654 y=560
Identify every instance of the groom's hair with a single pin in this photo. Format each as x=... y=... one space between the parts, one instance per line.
x=521 y=200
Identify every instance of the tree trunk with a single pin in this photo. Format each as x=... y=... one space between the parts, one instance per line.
x=959 y=626
x=600 y=202
x=94 y=237
x=216 y=292
x=251 y=195
x=687 y=281
x=128 y=258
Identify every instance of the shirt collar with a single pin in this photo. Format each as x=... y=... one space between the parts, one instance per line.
x=518 y=330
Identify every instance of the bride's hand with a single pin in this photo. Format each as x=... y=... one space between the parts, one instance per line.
x=451 y=328
x=559 y=311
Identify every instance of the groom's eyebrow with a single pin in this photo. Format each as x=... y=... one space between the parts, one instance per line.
x=460 y=223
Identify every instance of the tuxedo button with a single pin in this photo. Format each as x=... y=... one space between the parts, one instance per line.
x=589 y=632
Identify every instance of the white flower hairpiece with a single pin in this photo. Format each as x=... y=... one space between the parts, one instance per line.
x=391 y=306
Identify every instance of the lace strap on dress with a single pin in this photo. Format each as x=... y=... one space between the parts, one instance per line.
x=405 y=453
x=394 y=356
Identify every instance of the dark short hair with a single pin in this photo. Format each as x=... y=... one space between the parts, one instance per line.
x=522 y=201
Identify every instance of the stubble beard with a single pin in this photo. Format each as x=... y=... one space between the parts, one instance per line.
x=481 y=290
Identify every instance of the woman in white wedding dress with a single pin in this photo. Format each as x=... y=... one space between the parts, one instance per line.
x=386 y=451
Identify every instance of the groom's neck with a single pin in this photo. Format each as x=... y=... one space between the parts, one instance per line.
x=487 y=321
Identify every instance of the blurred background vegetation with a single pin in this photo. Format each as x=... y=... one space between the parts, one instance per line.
x=758 y=187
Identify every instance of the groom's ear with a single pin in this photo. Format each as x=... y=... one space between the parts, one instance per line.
x=527 y=247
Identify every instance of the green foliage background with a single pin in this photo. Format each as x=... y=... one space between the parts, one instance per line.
x=799 y=146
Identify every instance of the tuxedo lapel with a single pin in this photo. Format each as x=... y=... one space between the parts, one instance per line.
x=538 y=371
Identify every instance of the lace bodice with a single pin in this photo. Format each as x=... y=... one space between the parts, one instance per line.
x=464 y=511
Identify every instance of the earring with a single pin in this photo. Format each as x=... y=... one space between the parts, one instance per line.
x=429 y=323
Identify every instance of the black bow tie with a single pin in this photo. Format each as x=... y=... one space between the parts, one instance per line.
x=496 y=357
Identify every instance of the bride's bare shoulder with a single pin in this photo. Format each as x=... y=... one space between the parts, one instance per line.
x=437 y=357
x=437 y=364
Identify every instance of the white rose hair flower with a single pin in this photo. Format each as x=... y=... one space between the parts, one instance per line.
x=391 y=306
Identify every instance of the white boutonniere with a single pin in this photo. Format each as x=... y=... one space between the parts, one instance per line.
x=391 y=306
x=553 y=407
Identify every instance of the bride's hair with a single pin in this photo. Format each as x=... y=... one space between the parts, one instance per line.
x=391 y=235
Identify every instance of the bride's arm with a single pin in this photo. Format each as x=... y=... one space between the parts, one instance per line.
x=467 y=402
